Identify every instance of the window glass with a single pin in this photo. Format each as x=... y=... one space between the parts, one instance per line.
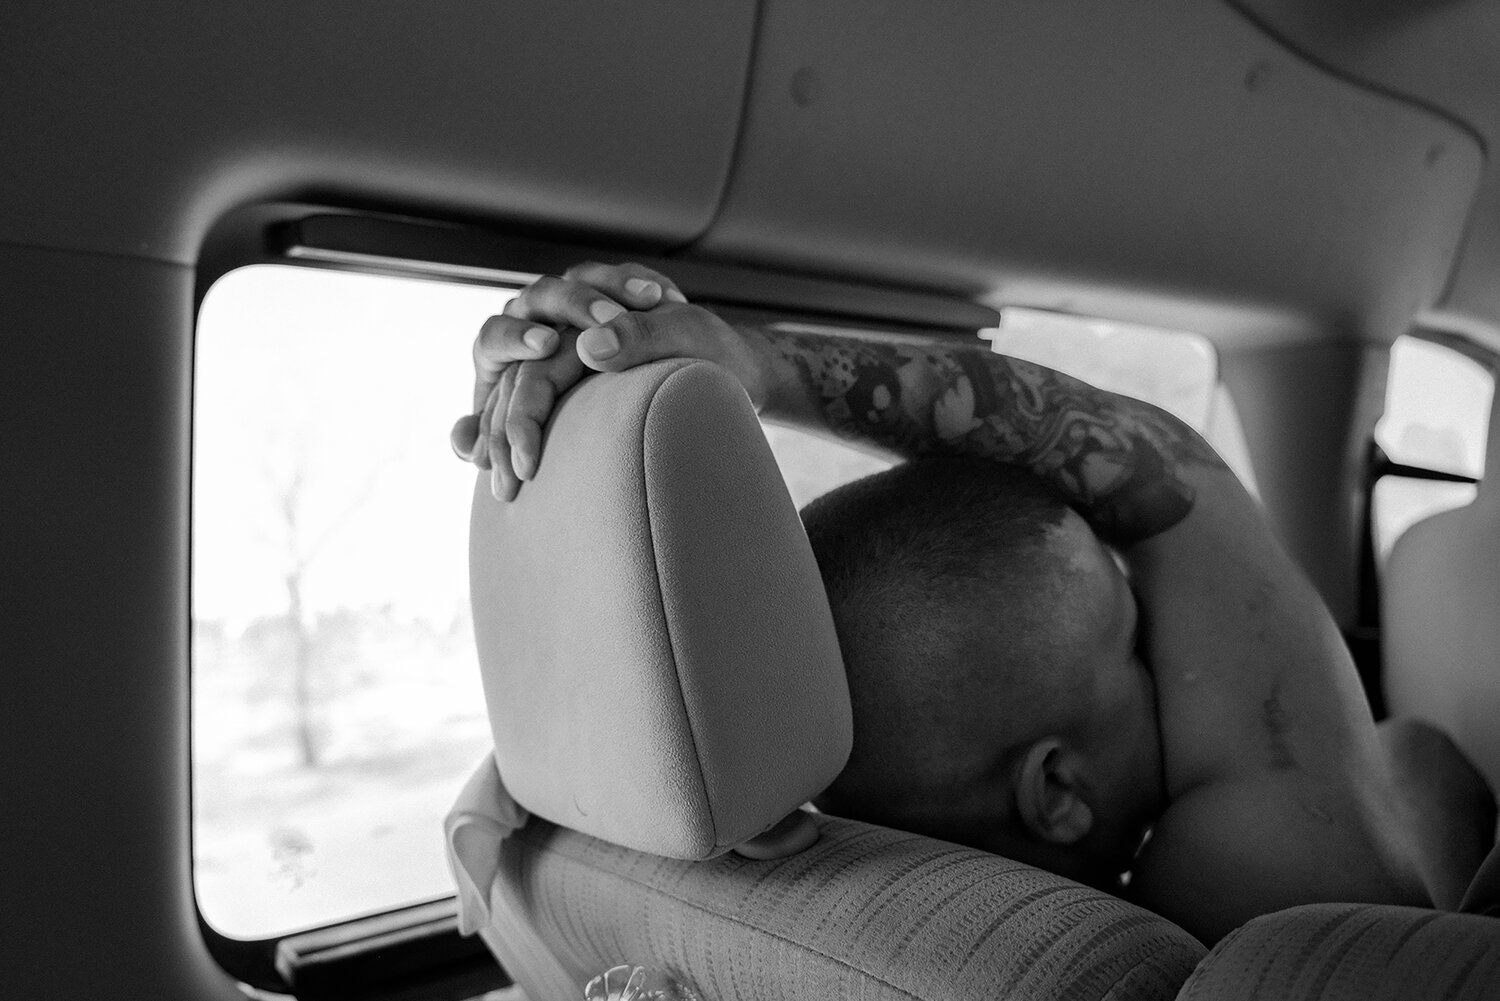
x=1400 y=502
x=1176 y=370
x=336 y=705
x=1437 y=405
x=813 y=465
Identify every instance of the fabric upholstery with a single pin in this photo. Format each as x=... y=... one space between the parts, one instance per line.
x=483 y=858
x=1441 y=614
x=867 y=912
x=658 y=657
x=1483 y=895
x=1358 y=952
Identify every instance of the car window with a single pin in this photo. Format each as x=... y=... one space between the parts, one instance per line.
x=1436 y=417
x=336 y=708
x=336 y=705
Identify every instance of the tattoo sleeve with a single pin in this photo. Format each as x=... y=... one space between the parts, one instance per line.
x=1120 y=462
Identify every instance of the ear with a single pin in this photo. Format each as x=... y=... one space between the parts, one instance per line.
x=1049 y=793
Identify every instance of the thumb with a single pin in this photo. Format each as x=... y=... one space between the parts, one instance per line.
x=668 y=331
x=679 y=330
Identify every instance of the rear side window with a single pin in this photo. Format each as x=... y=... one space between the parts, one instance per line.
x=1436 y=418
x=812 y=465
x=336 y=707
x=1176 y=370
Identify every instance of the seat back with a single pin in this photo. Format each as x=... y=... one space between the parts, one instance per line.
x=663 y=679
x=1319 y=952
x=658 y=657
x=1441 y=615
x=866 y=912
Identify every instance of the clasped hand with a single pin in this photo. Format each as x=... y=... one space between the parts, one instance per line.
x=595 y=318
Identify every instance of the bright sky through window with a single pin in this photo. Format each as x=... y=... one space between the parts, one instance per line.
x=336 y=705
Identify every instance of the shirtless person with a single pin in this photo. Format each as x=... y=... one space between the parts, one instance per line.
x=1246 y=747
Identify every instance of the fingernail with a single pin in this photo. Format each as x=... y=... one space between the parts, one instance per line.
x=538 y=338
x=675 y=295
x=641 y=288
x=525 y=467
x=603 y=311
x=497 y=482
x=599 y=342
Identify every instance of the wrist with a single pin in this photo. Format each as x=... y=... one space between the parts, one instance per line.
x=754 y=365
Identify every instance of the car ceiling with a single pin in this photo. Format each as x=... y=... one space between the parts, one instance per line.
x=1301 y=167
x=1446 y=54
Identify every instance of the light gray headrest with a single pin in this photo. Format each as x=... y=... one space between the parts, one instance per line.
x=659 y=661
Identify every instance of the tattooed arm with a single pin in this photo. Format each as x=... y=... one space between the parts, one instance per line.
x=1119 y=461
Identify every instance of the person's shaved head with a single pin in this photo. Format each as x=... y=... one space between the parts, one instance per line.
x=944 y=588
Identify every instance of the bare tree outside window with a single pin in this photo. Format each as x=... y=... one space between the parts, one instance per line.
x=336 y=701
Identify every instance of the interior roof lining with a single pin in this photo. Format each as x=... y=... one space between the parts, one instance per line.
x=1361 y=81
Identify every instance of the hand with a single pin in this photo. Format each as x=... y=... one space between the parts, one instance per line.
x=673 y=329
x=519 y=371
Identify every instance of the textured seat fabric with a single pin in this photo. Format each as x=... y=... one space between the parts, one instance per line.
x=866 y=912
x=658 y=657
x=1354 y=952
x=1483 y=896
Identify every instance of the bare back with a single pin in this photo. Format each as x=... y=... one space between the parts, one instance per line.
x=1275 y=776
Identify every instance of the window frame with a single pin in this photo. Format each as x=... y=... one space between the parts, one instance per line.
x=388 y=953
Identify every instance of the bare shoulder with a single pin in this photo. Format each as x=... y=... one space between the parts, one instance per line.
x=1226 y=852
x=1253 y=678
x=1276 y=780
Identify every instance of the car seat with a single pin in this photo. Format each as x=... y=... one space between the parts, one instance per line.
x=664 y=685
x=665 y=690
x=1441 y=614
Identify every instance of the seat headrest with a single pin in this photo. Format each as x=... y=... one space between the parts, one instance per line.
x=658 y=657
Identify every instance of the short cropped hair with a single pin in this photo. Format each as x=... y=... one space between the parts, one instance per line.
x=939 y=582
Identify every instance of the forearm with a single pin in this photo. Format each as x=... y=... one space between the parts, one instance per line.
x=1124 y=464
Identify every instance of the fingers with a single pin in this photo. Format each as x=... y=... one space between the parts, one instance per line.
x=464 y=436
x=588 y=295
x=504 y=483
x=530 y=405
x=562 y=302
x=504 y=340
x=519 y=371
x=671 y=331
x=676 y=330
x=507 y=433
x=633 y=285
x=537 y=388
x=480 y=454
